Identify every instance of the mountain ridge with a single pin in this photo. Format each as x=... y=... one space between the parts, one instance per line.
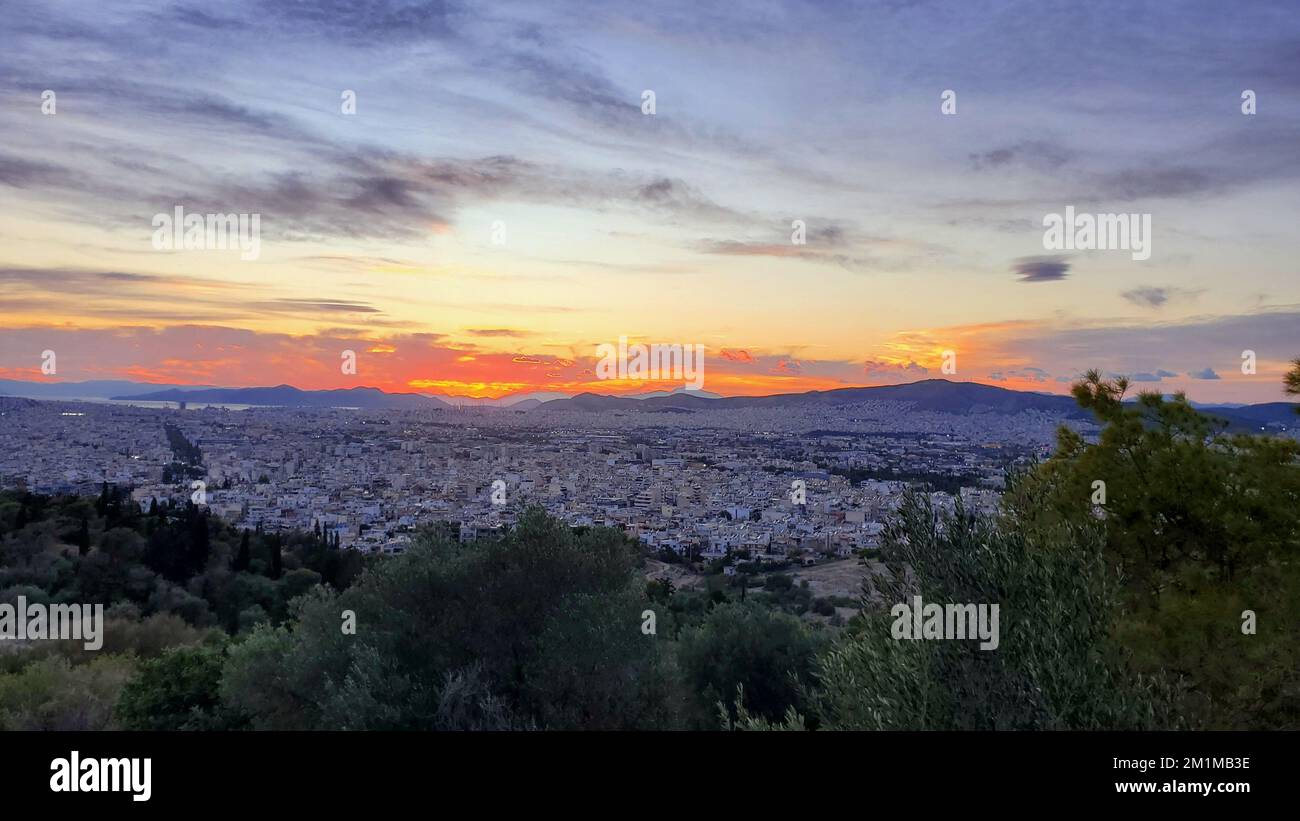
x=928 y=394
x=939 y=395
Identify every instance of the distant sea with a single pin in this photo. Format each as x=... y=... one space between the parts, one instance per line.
x=139 y=403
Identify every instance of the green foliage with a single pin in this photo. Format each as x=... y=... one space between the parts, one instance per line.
x=1054 y=667
x=175 y=691
x=53 y=694
x=467 y=703
x=777 y=582
x=744 y=720
x=167 y=578
x=659 y=591
x=1291 y=382
x=543 y=622
x=1202 y=526
x=1177 y=493
x=171 y=560
x=768 y=653
x=1231 y=680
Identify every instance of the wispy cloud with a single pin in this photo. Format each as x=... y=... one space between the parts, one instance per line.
x=1150 y=296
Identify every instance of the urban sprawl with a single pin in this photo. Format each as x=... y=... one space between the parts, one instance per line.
x=791 y=485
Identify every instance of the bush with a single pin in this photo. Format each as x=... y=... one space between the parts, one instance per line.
x=175 y=691
x=768 y=653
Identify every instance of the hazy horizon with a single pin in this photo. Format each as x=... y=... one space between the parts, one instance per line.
x=543 y=396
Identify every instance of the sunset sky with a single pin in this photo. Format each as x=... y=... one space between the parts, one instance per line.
x=924 y=230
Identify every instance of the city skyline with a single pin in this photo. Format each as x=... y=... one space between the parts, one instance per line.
x=924 y=229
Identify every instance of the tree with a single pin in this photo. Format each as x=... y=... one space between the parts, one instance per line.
x=1179 y=493
x=659 y=591
x=1201 y=527
x=243 y=557
x=83 y=538
x=1053 y=668
x=199 y=541
x=297 y=582
x=277 y=555
x=1291 y=381
x=768 y=653
x=53 y=694
x=115 y=571
x=176 y=691
x=548 y=620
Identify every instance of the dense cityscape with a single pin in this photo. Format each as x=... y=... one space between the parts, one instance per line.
x=772 y=484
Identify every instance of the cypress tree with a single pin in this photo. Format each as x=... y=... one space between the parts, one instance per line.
x=199 y=543
x=242 y=558
x=83 y=538
x=276 y=558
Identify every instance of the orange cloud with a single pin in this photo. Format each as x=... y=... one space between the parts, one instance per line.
x=736 y=355
x=994 y=353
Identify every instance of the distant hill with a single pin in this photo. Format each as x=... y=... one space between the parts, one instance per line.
x=92 y=389
x=14 y=403
x=676 y=392
x=940 y=395
x=519 y=401
x=931 y=394
x=287 y=396
x=1273 y=415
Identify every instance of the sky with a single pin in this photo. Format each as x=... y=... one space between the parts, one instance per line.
x=499 y=202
